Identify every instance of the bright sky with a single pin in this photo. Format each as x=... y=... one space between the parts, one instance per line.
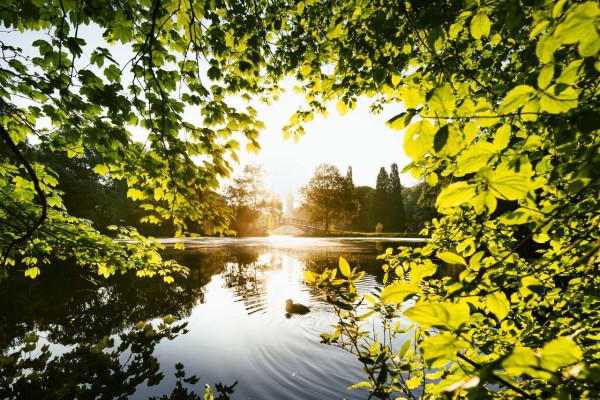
x=359 y=139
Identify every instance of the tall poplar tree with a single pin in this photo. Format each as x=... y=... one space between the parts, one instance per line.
x=396 y=202
x=380 y=213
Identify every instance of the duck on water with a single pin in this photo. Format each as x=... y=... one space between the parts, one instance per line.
x=292 y=308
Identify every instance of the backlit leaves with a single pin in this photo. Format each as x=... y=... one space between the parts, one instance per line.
x=476 y=157
x=442 y=101
x=398 y=292
x=440 y=349
x=511 y=184
x=480 y=25
x=449 y=316
x=498 y=304
x=418 y=139
x=516 y=98
x=456 y=194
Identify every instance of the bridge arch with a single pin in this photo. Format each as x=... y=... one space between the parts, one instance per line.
x=299 y=227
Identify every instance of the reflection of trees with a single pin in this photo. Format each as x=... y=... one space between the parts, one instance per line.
x=244 y=274
x=101 y=370
x=69 y=310
x=72 y=310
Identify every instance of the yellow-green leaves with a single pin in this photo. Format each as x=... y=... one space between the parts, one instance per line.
x=545 y=76
x=418 y=139
x=450 y=316
x=342 y=107
x=516 y=98
x=451 y=258
x=480 y=25
x=101 y=169
x=502 y=137
x=336 y=31
x=411 y=97
x=456 y=194
x=32 y=272
x=442 y=101
x=579 y=26
x=511 y=183
x=422 y=270
x=398 y=291
x=555 y=354
x=476 y=157
x=400 y=121
x=440 y=349
x=497 y=303
x=345 y=267
x=309 y=277
x=135 y=194
x=448 y=141
x=560 y=352
x=546 y=47
x=559 y=99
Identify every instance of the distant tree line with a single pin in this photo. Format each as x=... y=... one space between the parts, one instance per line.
x=332 y=200
x=104 y=201
x=329 y=198
x=251 y=202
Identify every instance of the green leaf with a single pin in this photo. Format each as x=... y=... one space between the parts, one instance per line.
x=342 y=107
x=456 y=194
x=411 y=97
x=449 y=316
x=123 y=32
x=398 y=291
x=440 y=349
x=101 y=169
x=32 y=272
x=335 y=32
x=545 y=76
x=135 y=194
x=451 y=258
x=345 y=267
x=571 y=73
x=476 y=157
x=420 y=271
x=498 y=304
x=556 y=102
x=418 y=139
x=442 y=101
x=440 y=139
x=546 y=47
x=502 y=137
x=516 y=98
x=559 y=353
x=520 y=360
x=112 y=72
x=309 y=277
x=404 y=349
x=579 y=24
x=400 y=121
x=511 y=184
x=480 y=25
x=360 y=385
x=530 y=285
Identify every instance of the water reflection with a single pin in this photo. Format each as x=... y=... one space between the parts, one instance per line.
x=233 y=304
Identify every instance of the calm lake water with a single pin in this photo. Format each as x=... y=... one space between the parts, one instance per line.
x=233 y=303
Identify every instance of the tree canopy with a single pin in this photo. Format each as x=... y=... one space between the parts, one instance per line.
x=328 y=197
x=498 y=100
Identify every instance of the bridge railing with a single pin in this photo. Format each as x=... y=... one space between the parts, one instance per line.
x=292 y=222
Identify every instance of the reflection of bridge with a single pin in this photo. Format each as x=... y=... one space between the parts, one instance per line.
x=306 y=226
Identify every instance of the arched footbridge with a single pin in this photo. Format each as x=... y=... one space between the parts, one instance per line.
x=303 y=225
